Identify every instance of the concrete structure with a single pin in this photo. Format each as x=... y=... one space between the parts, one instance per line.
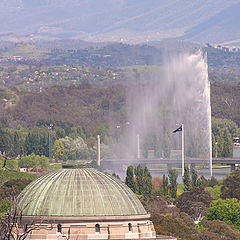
x=83 y=204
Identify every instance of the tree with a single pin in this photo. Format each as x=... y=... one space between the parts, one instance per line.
x=75 y=148
x=59 y=152
x=165 y=185
x=4 y=206
x=7 y=141
x=219 y=230
x=16 y=143
x=194 y=178
x=186 y=179
x=139 y=178
x=227 y=210
x=220 y=144
x=28 y=161
x=116 y=176
x=173 y=175
x=194 y=200
x=228 y=144
x=105 y=104
x=130 y=179
x=147 y=183
x=231 y=186
x=13 y=226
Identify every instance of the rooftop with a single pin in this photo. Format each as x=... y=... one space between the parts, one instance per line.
x=79 y=192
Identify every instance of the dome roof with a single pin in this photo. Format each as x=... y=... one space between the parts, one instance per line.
x=78 y=192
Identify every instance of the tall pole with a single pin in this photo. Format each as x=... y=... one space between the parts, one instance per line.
x=138 y=146
x=98 y=151
x=182 y=150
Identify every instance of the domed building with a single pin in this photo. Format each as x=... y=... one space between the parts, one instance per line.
x=83 y=203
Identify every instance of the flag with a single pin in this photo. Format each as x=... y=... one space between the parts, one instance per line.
x=178 y=129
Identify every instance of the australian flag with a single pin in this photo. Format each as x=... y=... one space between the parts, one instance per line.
x=178 y=129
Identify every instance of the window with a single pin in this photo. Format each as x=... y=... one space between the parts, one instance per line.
x=59 y=228
x=130 y=227
x=97 y=228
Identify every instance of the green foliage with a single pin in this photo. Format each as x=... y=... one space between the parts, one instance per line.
x=6 y=175
x=59 y=152
x=174 y=226
x=194 y=200
x=130 y=179
x=75 y=148
x=173 y=175
x=218 y=230
x=227 y=210
x=141 y=183
x=219 y=124
x=186 y=179
x=138 y=171
x=7 y=141
x=147 y=183
x=203 y=182
x=116 y=176
x=194 y=178
x=165 y=185
x=231 y=186
x=20 y=183
x=33 y=161
x=5 y=206
x=224 y=131
x=103 y=130
x=215 y=191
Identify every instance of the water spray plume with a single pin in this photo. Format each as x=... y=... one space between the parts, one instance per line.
x=178 y=93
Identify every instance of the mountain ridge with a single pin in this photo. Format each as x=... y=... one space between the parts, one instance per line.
x=129 y=21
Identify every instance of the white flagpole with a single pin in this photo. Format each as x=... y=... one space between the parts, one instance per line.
x=182 y=150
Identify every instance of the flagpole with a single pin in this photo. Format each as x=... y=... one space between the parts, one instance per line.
x=182 y=150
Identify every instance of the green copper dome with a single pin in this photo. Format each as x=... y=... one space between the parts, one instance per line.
x=78 y=192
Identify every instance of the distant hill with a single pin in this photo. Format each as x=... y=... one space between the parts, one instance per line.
x=132 y=21
x=84 y=106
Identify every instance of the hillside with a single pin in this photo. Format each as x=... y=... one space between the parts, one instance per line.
x=120 y=20
x=89 y=107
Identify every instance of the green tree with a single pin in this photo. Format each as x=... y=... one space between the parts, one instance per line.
x=220 y=144
x=194 y=200
x=42 y=161
x=147 y=183
x=130 y=179
x=227 y=210
x=213 y=145
x=59 y=152
x=165 y=185
x=228 y=144
x=139 y=178
x=173 y=175
x=186 y=179
x=7 y=141
x=231 y=186
x=4 y=206
x=194 y=178
x=28 y=161
x=16 y=144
